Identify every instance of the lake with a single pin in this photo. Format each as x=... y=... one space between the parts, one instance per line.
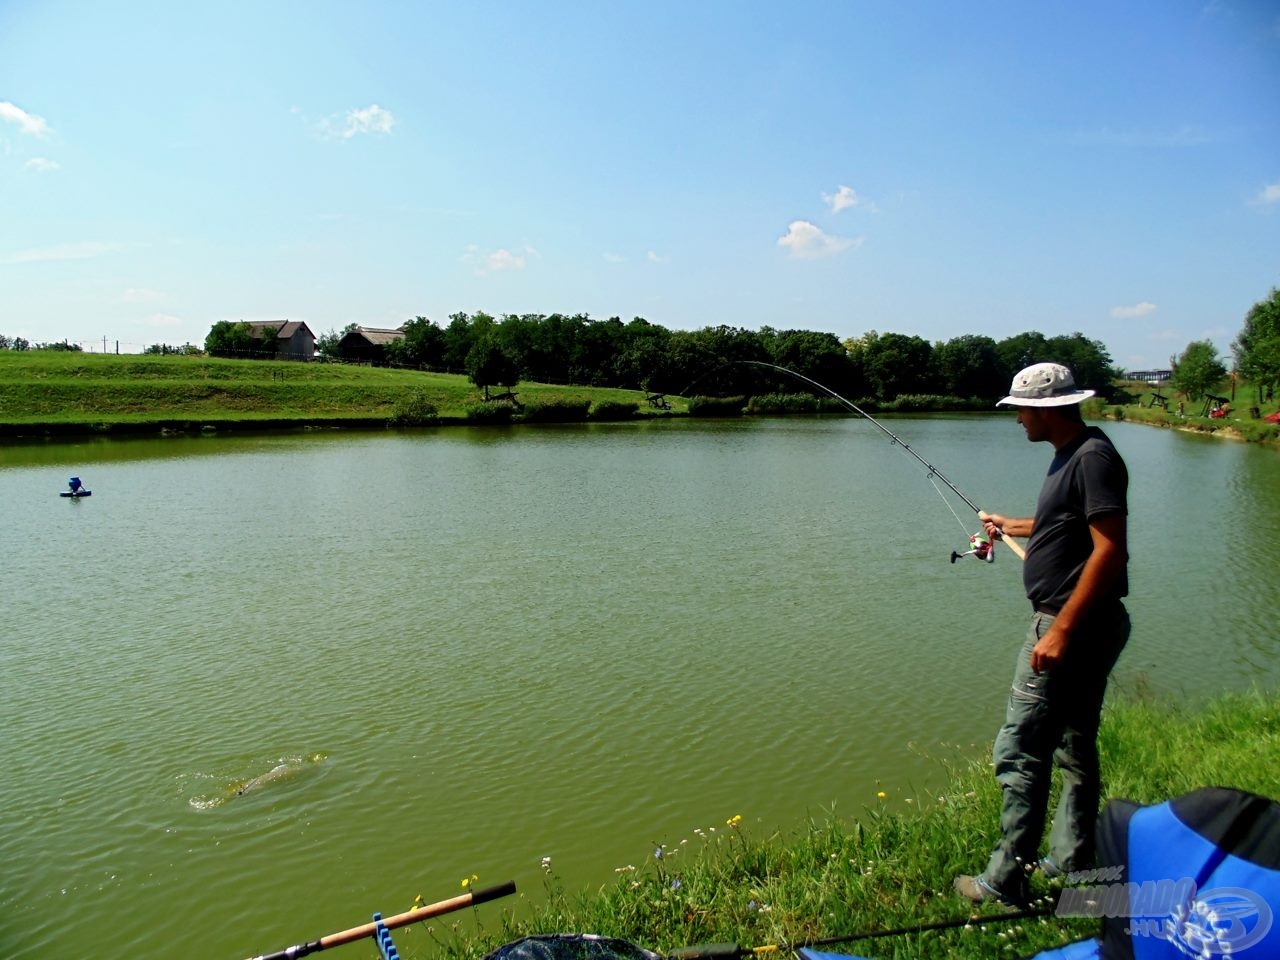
x=471 y=648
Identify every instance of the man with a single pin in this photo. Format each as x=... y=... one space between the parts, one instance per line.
x=1075 y=576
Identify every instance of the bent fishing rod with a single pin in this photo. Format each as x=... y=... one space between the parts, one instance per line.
x=978 y=549
x=399 y=920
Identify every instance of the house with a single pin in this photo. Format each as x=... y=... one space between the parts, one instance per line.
x=294 y=339
x=367 y=344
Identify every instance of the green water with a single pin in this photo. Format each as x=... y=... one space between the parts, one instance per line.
x=470 y=649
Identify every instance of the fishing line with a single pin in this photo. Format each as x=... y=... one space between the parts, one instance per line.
x=933 y=473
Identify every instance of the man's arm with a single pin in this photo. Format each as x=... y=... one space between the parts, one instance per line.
x=997 y=523
x=1103 y=568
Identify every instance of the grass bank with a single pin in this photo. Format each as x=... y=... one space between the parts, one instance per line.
x=1133 y=402
x=54 y=392
x=889 y=865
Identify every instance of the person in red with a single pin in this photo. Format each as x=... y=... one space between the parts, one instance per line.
x=1075 y=575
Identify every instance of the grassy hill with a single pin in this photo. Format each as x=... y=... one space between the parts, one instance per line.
x=44 y=391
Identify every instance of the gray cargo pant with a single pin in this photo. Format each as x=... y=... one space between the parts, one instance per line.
x=1053 y=717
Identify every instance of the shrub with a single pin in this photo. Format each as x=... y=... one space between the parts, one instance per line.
x=489 y=412
x=770 y=404
x=716 y=406
x=556 y=409
x=613 y=410
x=414 y=410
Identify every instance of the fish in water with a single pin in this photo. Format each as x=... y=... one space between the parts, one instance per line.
x=281 y=771
x=278 y=772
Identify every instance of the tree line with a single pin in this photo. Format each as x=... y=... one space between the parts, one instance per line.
x=639 y=355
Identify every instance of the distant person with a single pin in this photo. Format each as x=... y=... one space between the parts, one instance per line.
x=1075 y=575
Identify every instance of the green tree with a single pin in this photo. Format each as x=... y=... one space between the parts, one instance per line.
x=327 y=344
x=1257 y=348
x=1021 y=350
x=489 y=365
x=1198 y=370
x=1088 y=360
x=229 y=338
x=421 y=346
x=969 y=366
x=895 y=363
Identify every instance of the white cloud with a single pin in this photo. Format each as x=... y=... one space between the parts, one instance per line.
x=141 y=295
x=498 y=260
x=1269 y=194
x=653 y=257
x=42 y=165
x=805 y=241
x=27 y=122
x=1137 y=310
x=842 y=199
x=65 y=251
x=370 y=119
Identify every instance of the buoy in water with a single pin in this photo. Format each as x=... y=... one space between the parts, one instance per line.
x=77 y=489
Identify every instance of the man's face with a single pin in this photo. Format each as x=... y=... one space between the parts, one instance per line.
x=1033 y=421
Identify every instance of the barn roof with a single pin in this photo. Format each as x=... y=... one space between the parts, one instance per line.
x=379 y=335
x=287 y=329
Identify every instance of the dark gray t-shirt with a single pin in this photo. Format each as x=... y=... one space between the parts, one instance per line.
x=1086 y=479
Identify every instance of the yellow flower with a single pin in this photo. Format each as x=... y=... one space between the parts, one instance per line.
x=467 y=881
x=881 y=794
x=734 y=820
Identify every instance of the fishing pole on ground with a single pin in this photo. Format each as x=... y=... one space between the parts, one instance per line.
x=475 y=898
x=731 y=951
x=979 y=544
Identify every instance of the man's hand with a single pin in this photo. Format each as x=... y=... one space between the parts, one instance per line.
x=998 y=525
x=1049 y=649
x=993 y=523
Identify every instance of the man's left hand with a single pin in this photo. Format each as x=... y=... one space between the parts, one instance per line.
x=1049 y=649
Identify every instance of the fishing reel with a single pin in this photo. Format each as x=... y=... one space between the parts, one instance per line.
x=980 y=546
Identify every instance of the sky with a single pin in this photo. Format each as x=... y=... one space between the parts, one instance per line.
x=931 y=168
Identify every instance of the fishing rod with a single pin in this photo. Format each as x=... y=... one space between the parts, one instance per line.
x=399 y=920
x=732 y=951
x=980 y=547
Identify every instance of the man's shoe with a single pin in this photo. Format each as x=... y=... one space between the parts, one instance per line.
x=979 y=891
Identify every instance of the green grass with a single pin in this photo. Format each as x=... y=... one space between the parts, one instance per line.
x=39 y=388
x=889 y=866
x=1135 y=397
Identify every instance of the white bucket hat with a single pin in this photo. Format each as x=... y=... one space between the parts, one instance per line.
x=1044 y=385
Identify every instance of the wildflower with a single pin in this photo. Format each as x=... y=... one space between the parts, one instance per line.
x=657 y=854
x=752 y=906
x=881 y=794
x=467 y=881
x=546 y=863
x=734 y=821
x=675 y=884
x=417 y=902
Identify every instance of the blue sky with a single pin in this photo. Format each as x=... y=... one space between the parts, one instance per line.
x=925 y=168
